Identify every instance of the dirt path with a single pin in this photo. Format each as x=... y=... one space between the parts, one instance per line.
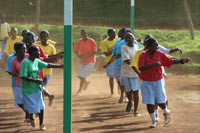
x=94 y=112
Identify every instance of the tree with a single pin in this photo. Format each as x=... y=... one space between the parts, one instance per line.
x=189 y=19
x=37 y=16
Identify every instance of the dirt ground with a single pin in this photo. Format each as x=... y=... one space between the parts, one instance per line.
x=94 y=112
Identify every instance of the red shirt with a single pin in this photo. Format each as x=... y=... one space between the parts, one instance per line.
x=42 y=53
x=154 y=73
x=85 y=48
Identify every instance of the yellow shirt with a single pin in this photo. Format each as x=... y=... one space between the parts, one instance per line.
x=49 y=50
x=49 y=42
x=107 y=46
x=135 y=59
x=9 y=48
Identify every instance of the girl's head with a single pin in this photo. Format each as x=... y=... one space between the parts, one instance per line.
x=14 y=32
x=24 y=33
x=129 y=37
x=84 y=34
x=44 y=36
x=151 y=44
x=111 y=33
x=121 y=33
x=29 y=38
x=20 y=49
x=34 y=51
x=146 y=38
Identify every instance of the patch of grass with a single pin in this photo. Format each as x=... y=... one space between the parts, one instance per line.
x=56 y=31
x=166 y=38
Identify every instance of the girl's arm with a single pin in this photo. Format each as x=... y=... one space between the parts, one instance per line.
x=145 y=67
x=127 y=62
x=88 y=55
x=181 y=61
x=37 y=81
x=136 y=71
x=108 y=53
x=109 y=62
x=51 y=65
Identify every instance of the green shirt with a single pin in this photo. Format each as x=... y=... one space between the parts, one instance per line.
x=30 y=69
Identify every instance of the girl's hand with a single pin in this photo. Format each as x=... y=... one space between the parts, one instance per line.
x=186 y=60
x=38 y=81
x=62 y=66
x=157 y=63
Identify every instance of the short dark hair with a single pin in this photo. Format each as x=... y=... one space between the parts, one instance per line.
x=44 y=32
x=18 y=45
x=150 y=41
x=25 y=31
x=30 y=34
x=32 y=49
x=121 y=32
x=110 y=30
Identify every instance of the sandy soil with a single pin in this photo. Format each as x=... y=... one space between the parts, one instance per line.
x=94 y=112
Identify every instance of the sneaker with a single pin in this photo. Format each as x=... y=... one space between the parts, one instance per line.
x=166 y=117
x=51 y=100
x=154 y=124
x=121 y=99
x=126 y=99
x=156 y=117
x=43 y=127
x=136 y=114
x=128 y=107
x=32 y=123
x=86 y=85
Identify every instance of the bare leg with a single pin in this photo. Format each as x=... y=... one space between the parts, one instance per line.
x=129 y=104
x=136 y=101
x=111 y=83
x=82 y=82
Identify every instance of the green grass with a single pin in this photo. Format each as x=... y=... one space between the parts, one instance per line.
x=167 y=38
x=56 y=31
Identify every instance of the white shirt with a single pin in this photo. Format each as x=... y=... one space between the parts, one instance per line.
x=127 y=54
x=163 y=49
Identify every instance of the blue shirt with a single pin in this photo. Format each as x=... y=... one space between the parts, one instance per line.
x=8 y=68
x=117 y=51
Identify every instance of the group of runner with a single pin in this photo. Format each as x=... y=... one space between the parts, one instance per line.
x=29 y=62
x=134 y=64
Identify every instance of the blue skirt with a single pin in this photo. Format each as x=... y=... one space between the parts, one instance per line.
x=153 y=91
x=110 y=70
x=33 y=103
x=131 y=84
x=18 y=96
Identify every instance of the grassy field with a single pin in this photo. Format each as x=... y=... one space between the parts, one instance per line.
x=167 y=38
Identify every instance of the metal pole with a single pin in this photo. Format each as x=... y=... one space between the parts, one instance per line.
x=132 y=14
x=67 y=104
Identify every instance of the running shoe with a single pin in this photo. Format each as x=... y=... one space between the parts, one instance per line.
x=166 y=117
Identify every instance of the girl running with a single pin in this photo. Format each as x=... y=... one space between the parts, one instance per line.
x=32 y=86
x=152 y=87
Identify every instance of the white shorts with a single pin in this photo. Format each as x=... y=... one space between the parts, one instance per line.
x=153 y=91
x=85 y=70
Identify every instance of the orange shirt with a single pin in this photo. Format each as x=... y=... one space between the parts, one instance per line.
x=84 y=48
